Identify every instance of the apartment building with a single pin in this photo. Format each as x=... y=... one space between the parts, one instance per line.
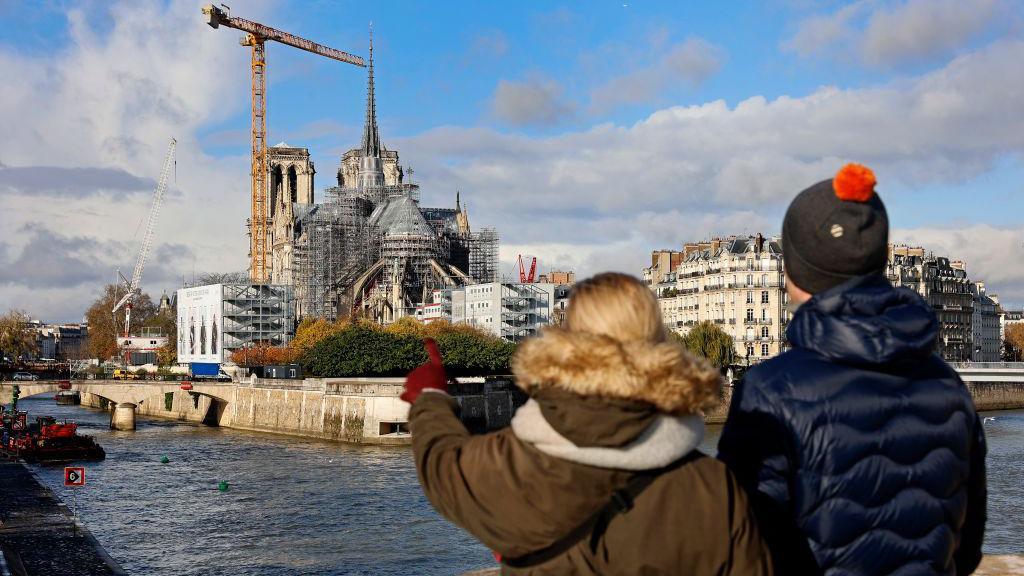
x=735 y=282
x=986 y=325
x=944 y=284
x=508 y=310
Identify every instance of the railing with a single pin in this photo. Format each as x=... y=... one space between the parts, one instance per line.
x=988 y=365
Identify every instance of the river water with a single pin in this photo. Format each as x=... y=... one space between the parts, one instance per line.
x=299 y=506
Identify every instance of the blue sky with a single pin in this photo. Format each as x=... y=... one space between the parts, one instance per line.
x=588 y=133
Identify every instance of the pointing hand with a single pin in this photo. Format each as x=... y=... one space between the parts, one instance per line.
x=429 y=375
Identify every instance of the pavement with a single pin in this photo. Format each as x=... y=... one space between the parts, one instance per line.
x=38 y=534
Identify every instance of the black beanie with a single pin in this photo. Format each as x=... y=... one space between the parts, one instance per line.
x=835 y=230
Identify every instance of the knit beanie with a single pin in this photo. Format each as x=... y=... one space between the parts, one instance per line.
x=835 y=230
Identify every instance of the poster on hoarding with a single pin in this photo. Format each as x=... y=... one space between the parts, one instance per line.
x=199 y=329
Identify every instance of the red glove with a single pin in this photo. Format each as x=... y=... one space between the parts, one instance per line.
x=429 y=375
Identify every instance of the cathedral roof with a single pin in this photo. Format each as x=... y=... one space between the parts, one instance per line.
x=400 y=216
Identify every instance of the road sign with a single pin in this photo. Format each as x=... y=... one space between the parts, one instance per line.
x=74 y=476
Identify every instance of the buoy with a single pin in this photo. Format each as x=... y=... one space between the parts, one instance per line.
x=223 y=486
x=164 y=460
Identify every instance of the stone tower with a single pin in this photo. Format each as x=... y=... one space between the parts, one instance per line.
x=290 y=183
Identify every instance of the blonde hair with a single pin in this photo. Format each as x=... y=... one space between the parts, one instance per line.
x=615 y=305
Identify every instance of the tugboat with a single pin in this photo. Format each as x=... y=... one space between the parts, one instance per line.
x=46 y=440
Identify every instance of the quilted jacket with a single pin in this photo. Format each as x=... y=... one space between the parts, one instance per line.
x=860 y=447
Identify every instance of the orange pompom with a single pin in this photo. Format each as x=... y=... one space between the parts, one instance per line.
x=855 y=183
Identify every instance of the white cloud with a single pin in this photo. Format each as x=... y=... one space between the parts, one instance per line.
x=891 y=34
x=104 y=105
x=535 y=101
x=605 y=196
x=689 y=63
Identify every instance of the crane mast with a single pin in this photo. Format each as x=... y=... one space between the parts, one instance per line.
x=256 y=36
x=147 y=241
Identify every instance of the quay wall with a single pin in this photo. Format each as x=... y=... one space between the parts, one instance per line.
x=368 y=410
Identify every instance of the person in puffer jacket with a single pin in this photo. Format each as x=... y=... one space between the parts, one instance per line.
x=860 y=447
x=599 y=472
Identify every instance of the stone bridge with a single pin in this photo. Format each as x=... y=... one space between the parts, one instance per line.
x=122 y=396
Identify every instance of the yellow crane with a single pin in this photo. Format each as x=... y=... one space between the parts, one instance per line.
x=256 y=35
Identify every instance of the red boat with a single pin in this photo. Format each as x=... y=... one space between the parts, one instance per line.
x=46 y=440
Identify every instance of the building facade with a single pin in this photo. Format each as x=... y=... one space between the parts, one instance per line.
x=511 y=311
x=290 y=185
x=216 y=320
x=736 y=282
x=62 y=341
x=944 y=284
x=986 y=325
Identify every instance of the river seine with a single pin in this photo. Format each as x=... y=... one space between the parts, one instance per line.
x=298 y=506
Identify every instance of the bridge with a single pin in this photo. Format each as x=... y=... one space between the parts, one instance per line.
x=123 y=396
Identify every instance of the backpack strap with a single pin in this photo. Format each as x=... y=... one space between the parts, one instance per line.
x=620 y=502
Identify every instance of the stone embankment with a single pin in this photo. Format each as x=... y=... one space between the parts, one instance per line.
x=39 y=535
x=368 y=410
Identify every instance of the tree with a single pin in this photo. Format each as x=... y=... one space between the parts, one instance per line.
x=311 y=331
x=105 y=327
x=165 y=323
x=710 y=342
x=260 y=354
x=1014 y=342
x=16 y=335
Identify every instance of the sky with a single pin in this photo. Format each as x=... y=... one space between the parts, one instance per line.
x=587 y=133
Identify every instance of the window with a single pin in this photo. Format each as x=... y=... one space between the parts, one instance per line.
x=750 y=279
x=750 y=351
x=764 y=332
x=750 y=333
x=764 y=297
x=750 y=297
x=764 y=314
x=764 y=349
x=750 y=314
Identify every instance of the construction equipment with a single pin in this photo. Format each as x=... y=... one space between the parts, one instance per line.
x=525 y=278
x=147 y=242
x=256 y=35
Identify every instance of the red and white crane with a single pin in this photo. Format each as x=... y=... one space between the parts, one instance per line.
x=147 y=242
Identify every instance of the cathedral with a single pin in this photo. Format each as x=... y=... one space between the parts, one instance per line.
x=368 y=248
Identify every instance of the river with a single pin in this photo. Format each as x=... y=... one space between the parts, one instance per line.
x=299 y=506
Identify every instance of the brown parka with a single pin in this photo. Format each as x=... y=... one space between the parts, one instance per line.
x=600 y=412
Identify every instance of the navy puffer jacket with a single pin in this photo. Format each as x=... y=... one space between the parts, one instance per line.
x=860 y=447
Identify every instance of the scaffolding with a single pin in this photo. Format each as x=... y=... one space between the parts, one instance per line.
x=255 y=314
x=483 y=255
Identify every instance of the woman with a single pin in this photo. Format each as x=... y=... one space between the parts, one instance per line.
x=599 y=472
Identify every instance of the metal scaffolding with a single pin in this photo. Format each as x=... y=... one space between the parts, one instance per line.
x=483 y=255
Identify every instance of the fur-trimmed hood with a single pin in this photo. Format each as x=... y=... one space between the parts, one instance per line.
x=662 y=374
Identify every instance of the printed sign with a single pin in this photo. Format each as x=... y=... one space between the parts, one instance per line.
x=18 y=421
x=74 y=476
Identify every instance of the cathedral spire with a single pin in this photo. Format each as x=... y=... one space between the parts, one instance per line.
x=371 y=139
x=458 y=206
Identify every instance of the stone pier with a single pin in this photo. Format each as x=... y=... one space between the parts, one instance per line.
x=122 y=417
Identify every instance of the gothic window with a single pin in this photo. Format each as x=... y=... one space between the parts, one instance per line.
x=293 y=183
x=276 y=178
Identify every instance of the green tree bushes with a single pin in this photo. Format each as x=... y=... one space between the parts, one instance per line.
x=365 y=349
x=710 y=342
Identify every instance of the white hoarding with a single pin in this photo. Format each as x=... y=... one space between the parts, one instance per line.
x=200 y=324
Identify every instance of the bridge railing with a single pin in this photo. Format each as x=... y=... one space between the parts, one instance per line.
x=988 y=365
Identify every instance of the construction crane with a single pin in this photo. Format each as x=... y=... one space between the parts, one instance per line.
x=147 y=242
x=256 y=35
x=525 y=278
